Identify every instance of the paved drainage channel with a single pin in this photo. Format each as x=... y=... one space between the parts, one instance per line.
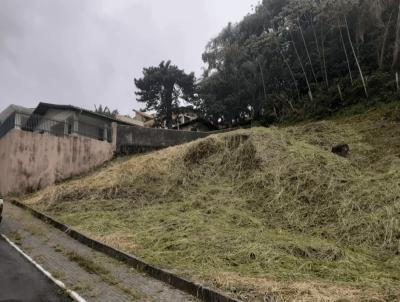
x=94 y=270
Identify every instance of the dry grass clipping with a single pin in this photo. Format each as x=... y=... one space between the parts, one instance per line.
x=278 y=194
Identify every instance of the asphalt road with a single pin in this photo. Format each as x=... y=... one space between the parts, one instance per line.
x=21 y=281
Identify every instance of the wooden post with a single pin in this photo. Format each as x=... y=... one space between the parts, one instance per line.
x=397 y=82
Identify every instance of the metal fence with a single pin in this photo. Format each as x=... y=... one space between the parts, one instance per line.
x=7 y=125
x=38 y=124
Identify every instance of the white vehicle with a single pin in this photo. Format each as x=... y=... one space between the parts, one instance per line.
x=1 y=208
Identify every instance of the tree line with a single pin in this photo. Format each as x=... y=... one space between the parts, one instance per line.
x=289 y=59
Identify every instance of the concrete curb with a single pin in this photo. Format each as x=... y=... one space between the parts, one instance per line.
x=197 y=290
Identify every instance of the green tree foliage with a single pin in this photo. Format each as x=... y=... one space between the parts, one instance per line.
x=298 y=58
x=163 y=87
x=104 y=110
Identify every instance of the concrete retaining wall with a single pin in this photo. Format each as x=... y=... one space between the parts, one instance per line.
x=132 y=139
x=30 y=161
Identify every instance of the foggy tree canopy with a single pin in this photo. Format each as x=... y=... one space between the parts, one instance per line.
x=297 y=58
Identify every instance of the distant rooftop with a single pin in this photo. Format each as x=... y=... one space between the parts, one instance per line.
x=14 y=108
x=42 y=108
x=144 y=114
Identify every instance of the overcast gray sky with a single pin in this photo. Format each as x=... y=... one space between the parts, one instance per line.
x=86 y=52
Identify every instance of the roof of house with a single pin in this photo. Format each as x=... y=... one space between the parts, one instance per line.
x=144 y=114
x=198 y=120
x=14 y=108
x=129 y=120
x=42 y=108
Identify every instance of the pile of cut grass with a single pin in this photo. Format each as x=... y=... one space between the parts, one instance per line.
x=256 y=211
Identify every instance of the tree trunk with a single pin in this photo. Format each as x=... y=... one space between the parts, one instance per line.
x=168 y=107
x=291 y=74
x=275 y=112
x=291 y=105
x=385 y=35
x=256 y=108
x=396 y=41
x=318 y=49
x=324 y=59
x=302 y=68
x=168 y=118
x=340 y=92
x=355 y=57
x=308 y=53
x=263 y=80
x=345 y=53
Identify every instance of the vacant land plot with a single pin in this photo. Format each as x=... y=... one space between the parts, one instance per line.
x=257 y=211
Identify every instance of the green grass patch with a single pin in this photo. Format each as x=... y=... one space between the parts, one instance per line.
x=105 y=275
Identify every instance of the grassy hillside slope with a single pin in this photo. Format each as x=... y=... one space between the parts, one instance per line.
x=257 y=211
